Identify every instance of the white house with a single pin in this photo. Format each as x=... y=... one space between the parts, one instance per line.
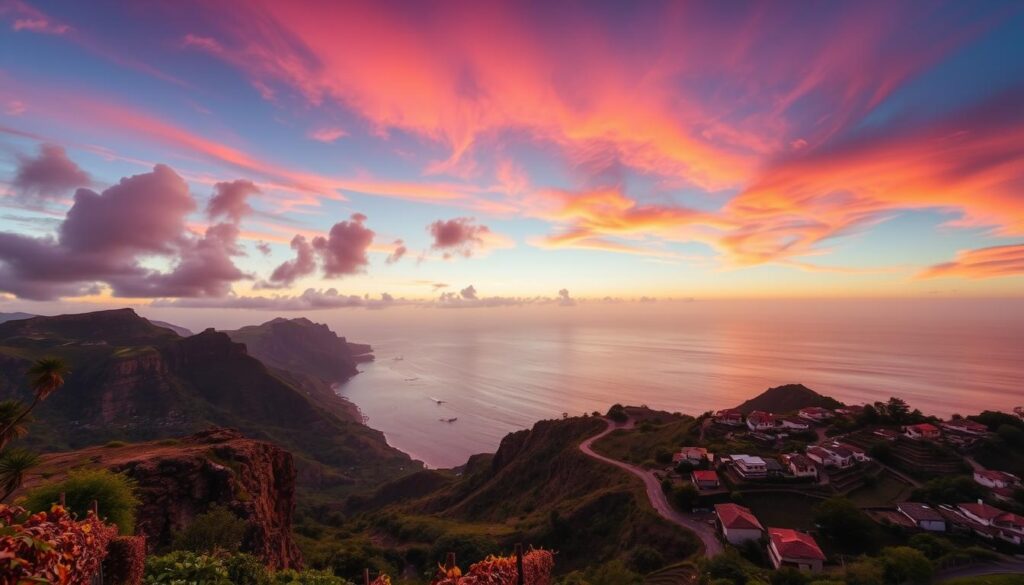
x=790 y=422
x=816 y=413
x=761 y=421
x=791 y=548
x=996 y=479
x=705 y=479
x=965 y=426
x=750 y=466
x=694 y=455
x=859 y=455
x=730 y=417
x=738 y=524
x=830 y=456
x=923 y=516
x=1008 y=526
x=799 y=465
x=922 y=431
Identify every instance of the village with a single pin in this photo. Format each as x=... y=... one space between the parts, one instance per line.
x=756 y=477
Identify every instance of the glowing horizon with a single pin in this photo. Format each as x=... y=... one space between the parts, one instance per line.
x=242 y=154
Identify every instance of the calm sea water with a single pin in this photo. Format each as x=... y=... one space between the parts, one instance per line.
x=499 y=370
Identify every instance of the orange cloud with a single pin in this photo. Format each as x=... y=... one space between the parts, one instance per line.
x=989 y=262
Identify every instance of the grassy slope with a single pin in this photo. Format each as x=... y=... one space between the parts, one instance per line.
x=537 y=489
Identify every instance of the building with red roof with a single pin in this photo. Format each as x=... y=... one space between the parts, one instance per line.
x=991 y=478
x=792 y=548
x=966 y=426
x=922 y=431
x=705 y=479
x=738 y=524
x=761 y=421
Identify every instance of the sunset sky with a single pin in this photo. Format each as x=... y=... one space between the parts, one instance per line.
x=293 y=155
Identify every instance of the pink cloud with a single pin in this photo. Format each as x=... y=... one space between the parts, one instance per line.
x=992 y=262
x=327 y=134
x=343 y=251
x=49 y=174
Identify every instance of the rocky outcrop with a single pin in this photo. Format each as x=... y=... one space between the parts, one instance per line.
x=300 y=345
x=178 y=480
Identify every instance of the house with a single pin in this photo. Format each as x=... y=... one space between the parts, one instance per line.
x=773 y=468
x=738 y=524
x=792 y=422
x=923 y=516
x=887 y=434
x=1007 y=525
x=760 y=421
x=996 y=479
x=750 y=466
x=830 y=456
x=965 y=426
x=815 y=413
x=730 y=417
x=922 y=431
x=799 y=465
x=792 y=548
x=694 y=455
x=851 y=410
x=705 y=480
x=859 y=455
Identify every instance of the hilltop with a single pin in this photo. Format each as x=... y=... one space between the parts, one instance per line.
x=133 y=380
x=5 y=317
x=300 y=345
x=787 y=398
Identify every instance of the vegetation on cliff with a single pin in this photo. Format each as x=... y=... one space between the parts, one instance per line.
x=787 y=398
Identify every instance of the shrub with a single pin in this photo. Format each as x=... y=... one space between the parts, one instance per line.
x=245 y=569
x=185 y=567
x=51 y=546
x=618 y=413
x=114 y=493
x=290 y=577
x=218 y=529
x=903 y=564
x=126 y=560
x=645 y=559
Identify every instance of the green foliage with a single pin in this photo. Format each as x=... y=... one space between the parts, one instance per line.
x=611 y=573
x=864 y=572
x=949 y=490
x=685 y=496
x=245 y=569
x=847 y=527
x=728 y=567
x=645 y=559
x=931 y=546
x=468 y=548
x=994 y=419
x=1011 y=435
x=618 y=413
x=114 y=493
x=218 y=529
x=189 y=568
x=14 y=464
x=788 y=576
x=186 y=568
x=903 y=564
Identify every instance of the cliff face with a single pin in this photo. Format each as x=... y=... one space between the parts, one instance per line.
x=133 y=380
x=177 y=482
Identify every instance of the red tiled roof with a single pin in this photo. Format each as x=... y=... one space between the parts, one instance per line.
x=793 y=544
x=925 y=428
x=919 y=512
x=1009 y=519
x=702 y=475
x=735 y=517
x=996 y=475
x=983 y=511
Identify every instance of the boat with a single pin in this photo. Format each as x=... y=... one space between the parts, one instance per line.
x=448 y=420
x=438 y=400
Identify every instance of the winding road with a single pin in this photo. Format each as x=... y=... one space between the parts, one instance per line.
x=659 y=501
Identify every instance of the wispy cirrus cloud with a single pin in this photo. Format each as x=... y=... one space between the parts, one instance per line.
x=991 y=262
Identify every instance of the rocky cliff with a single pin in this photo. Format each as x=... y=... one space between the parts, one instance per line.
x=178 y=480
x=135 y=381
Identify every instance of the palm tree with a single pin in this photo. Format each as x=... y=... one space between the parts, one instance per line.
x=10 y=410
x=14 y=463
x=45 y=377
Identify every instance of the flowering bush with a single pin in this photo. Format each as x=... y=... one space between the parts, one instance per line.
x=126 y=560
x=537 y=566
x=50 y=547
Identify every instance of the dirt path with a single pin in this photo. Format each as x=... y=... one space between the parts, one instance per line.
x=659 y=501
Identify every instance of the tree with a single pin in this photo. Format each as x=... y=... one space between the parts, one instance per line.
x=645 y=559
x=14 y=463
x=903 y=564
x=618 y=413
x=845 y=525
x=949 y=490
x=864 y=572
x=728 y=567
x=685 y=496
x=897 y=409
x=45 y=377
x=932 y=546
x=10 y=411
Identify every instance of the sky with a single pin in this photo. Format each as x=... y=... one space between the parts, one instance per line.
x=288 y=156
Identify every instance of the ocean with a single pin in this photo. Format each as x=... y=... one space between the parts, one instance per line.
x=448 y=383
